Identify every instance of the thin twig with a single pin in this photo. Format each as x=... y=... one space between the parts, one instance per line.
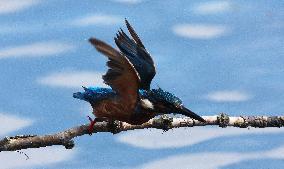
x=164 y=122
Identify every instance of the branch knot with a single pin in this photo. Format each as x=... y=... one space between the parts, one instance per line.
x=164 y=123
x=69 y=144
x=275 y=121
x=223 y=120
x=115 y=126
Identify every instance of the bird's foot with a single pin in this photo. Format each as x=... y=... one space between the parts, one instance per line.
x=91 y=126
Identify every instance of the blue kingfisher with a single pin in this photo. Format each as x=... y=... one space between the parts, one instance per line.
x=130 y=99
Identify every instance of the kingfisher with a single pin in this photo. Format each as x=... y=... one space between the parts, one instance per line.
x=130 y=72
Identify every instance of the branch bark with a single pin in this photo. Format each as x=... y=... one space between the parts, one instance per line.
x=165 y=123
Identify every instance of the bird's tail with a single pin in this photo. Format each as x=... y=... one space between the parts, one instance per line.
x=82 y=95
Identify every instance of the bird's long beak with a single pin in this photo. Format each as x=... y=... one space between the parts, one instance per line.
x=184 y=111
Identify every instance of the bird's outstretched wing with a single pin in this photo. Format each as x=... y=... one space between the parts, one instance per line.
x=137 y=54
x=121 y=75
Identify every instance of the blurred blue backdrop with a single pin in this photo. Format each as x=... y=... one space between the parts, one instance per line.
x=218 y=56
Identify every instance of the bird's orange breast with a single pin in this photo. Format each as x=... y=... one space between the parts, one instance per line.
x=112 y=110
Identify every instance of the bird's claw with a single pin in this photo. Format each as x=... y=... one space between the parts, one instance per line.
x=91 y=126
x=90 y=119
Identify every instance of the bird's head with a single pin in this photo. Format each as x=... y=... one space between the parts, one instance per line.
x=166 y=102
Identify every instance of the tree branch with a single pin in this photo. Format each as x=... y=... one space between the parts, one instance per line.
x=164 y=122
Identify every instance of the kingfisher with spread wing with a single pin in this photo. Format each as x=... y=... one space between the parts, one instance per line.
x=130 y=99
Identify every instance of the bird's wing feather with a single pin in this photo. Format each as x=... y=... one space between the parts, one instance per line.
x=121 y=75
x=137 y=54
x=134 y=34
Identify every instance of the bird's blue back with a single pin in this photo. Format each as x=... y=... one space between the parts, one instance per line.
x=96 y=94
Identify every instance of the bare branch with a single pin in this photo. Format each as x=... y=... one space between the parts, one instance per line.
x=164 y=122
